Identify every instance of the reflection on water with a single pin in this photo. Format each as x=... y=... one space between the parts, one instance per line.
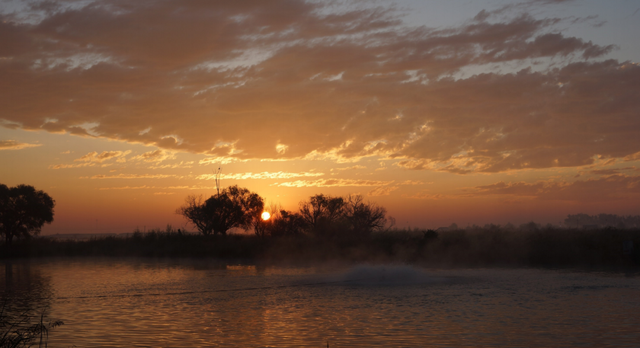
x=25 y=289
x=117 y=303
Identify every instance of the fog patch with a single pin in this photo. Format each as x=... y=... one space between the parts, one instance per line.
x=384 y=275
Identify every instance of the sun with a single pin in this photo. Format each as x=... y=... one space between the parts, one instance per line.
x=266 y=216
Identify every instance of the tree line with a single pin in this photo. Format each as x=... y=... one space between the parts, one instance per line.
x=321 y=215
x=602 y=220
x=24 y=210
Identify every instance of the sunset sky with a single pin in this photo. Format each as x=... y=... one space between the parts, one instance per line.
x=441 y=111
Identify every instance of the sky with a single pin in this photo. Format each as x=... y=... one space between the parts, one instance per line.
x=466 y=112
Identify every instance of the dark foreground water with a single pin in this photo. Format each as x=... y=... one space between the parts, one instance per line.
x=129 y=303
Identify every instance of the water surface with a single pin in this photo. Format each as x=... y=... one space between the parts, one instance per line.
x=187 y=303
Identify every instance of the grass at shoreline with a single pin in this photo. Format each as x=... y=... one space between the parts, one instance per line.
x=479 y=247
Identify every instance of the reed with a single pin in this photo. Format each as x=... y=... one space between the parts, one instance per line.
x=19 y=332
x=491 y=245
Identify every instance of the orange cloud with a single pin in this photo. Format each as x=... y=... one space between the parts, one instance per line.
x=263 y=175
x=146 y=187
x=428 y=196
x=333 y=183
x=154 y=156
x=291 y=79
x=607 y=188
x=77 y=165
x=103 y=156
x=349 y=168
x=15 y=145
x=127 y=188
x=133 y=176
x=382 y=191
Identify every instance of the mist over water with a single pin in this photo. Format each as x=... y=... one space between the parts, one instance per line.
x=389 y=275
x=204 y=303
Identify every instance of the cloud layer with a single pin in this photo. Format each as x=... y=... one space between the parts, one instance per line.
x=606 y=188
x=290 y=79
x=15 y=145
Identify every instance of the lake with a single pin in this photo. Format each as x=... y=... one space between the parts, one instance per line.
x=208 y=303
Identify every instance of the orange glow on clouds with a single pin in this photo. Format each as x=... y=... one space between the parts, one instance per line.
x=501 y=115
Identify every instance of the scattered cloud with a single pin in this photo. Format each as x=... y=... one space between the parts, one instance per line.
x=154 y=156
x=382 y=191
x=611 y=171
x=263 y=175
x=414 y=182
x=333 y=183
x=15 y=145
x=349 y=168
x=132 y=176
x=182 y=164
x=235 y=81
x=76 y=165
x=193 y=187
x=517 y=188
x=103 y=156
x=632 y=157
x=606 y=188
x=147 y=187
x=219 y=160
x=427 y=196
x=127 y=188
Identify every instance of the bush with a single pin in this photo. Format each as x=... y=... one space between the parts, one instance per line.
x=232 y=208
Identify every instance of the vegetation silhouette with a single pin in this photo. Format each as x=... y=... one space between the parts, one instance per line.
x=327 y=217
x=602 y=221
x=474 y=246
x=18 y=331
x=328 y=228
x=322 y=214
x=233 y=207
x=23 y=211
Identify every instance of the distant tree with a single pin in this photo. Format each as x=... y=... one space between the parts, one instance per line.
x=23 y=211
x=530 y=227
x=232 y=207
x=321 y=212
x=364 y=218
x=602 y=220
x=429 y=236
x=286 y=223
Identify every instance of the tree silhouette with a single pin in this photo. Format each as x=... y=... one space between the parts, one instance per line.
x=232 y=207
x=364 y=218
x=321 y=212
x=23 y=211
x=338 y=217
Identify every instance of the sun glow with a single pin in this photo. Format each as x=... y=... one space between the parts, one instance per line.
x=266 y=216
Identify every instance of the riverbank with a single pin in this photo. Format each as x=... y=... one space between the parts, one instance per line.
x=479 y=247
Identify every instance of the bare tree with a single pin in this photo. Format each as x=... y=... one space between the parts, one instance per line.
x=193 y=209
x=321 y=212
x=364 y=218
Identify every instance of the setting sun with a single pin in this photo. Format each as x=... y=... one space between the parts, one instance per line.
x=434 y=167
x=451 y=123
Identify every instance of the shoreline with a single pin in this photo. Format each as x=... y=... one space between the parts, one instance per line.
x=548 y=248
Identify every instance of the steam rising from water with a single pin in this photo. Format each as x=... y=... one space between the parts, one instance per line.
x=388 y=275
